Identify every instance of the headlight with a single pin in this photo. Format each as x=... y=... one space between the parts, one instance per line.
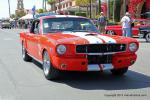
x=133 y=47
x=61 y=49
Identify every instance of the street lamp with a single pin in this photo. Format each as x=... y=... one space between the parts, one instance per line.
x=9 y=7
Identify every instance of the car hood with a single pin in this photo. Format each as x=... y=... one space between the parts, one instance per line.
x=86 y=38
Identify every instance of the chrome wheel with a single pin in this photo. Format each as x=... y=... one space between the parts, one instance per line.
x=25 y=55
x=147 y=37
x=49 y=70
x=110 y=32
x=46 y=64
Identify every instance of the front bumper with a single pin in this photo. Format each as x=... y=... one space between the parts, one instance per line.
x=81 y=64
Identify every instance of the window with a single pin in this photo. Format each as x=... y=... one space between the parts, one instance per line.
x=52 y=25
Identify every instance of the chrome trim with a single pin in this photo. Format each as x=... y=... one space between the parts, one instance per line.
x=109 y=53
x=101 y=53
x=145 y=30
x=35 y=59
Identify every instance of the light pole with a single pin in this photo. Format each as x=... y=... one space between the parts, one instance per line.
x=9 y=7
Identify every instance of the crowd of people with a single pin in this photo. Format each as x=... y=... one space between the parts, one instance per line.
x=126 y=23
x=22 y=24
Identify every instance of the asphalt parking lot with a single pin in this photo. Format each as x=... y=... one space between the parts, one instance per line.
x=21 y=80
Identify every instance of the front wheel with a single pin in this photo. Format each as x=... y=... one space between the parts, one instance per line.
x=147 y=37
x=49 y=71
x=119 y=72
x=25 y=55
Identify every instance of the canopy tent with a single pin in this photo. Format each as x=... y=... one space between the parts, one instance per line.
x=28 y=16
x=11 y=20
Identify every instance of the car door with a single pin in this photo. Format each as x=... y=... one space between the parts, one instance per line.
x=32 y=39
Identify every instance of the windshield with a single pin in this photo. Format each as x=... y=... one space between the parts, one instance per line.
x=52 y=25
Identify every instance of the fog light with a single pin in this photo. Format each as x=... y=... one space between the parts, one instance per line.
x=63 y=66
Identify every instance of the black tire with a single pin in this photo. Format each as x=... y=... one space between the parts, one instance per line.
x=50 y=72
x=110 y=32
x=147 y=37
x=119 y=72
x=25 y=55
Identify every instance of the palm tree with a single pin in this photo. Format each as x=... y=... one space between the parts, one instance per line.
x=116 y=10
x=52 y=3
x=87 y=3
x=9 y=7
x=99 y=6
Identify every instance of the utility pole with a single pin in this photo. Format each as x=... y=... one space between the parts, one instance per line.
x=9 y=7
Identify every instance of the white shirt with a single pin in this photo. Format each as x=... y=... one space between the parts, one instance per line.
x=126 y=22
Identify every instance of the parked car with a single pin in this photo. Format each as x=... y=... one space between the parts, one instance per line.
x=117 y=29
x=72 y=43
x=6 y=24
x=145 y=33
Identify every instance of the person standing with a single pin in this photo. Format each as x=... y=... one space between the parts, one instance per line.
x=126 y=25
x=102 y=22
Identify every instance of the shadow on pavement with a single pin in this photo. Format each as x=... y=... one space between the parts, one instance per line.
x=102 y=80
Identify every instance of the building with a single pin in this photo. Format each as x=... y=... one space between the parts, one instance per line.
x=62 y=6
x=69 y=7
x=20 y=8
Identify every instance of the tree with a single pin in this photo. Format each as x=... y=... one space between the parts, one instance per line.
x=12 y=16
x=40 y=11
x=85 y=3
x=116 y=10
x=20 y=13
x=52 y=3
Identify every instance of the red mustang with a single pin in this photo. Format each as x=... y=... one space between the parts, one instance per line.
x=71 y=43
x=117 y=29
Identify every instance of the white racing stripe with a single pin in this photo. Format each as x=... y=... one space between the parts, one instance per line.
x=101 y=67
x=107 y=39
x=90 y=39
x=93 y=67
x=107 y=66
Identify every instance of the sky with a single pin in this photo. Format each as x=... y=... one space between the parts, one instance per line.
x=28 y=4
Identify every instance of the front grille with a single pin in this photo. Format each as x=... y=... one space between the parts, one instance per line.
x=100 y=48
x=99 y=59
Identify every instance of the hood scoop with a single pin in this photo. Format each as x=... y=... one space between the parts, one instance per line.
x=90 y=34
